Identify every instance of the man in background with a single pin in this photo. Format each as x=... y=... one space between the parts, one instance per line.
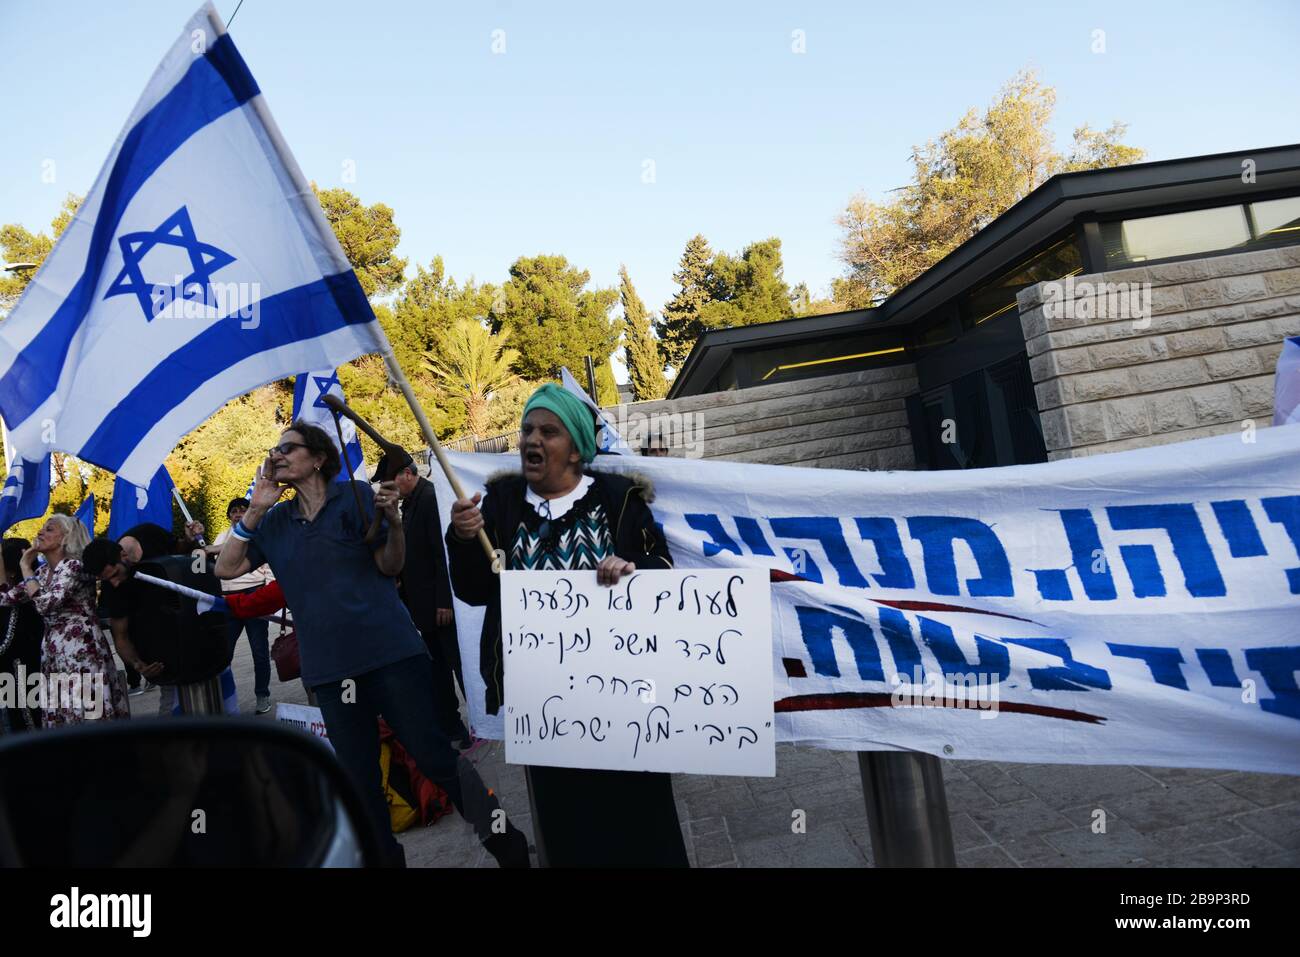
x=126 y=602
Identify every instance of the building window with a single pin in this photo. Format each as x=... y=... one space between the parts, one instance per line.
x=1175 y=234
x=1276 y=220
x=1220 y=229
x=817 y=357
x=998 y=297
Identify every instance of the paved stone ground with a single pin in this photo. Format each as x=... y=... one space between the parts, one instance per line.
x=1003 y=815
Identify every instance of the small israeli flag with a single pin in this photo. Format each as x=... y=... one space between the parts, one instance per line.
x=133 y=505
x=607 y=439
x=200 y=266
x=86 y=514
x=26 y=492
x=309 y=391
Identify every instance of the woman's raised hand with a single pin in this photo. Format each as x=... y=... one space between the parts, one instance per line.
x=266 y=490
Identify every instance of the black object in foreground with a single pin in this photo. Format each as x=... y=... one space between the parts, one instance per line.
x=185 y=792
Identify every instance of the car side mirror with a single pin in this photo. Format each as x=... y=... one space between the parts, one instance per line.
x=179 y=792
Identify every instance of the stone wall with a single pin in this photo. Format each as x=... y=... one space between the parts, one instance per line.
x=853 y=421
x=1203 y=364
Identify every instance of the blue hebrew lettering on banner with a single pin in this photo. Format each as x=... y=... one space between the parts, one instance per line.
x=1131 y=608
x=938 y=535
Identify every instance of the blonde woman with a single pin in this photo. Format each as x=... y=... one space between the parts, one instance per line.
x=73 y=645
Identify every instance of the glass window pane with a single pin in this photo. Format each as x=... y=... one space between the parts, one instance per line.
x=820 y=357
x=1175 y=234
x=1277 y=220
x=998 y=297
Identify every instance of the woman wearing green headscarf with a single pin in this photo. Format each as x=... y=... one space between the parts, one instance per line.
x=561 y=515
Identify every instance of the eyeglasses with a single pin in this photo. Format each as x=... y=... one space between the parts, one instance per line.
x=284 y=448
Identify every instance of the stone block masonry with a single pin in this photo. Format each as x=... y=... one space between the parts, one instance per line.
x=1200 y=362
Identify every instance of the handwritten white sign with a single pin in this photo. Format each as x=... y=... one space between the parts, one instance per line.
x=665 y=671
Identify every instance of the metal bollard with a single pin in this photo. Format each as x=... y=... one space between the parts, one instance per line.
x=907 y=809
x=201 y=697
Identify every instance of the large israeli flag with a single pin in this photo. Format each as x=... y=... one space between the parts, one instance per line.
x=309 y=391
x=199 y=267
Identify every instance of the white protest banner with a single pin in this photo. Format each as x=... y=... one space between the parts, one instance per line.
x=307 y=718
x=1138 y=607
x=665 y=671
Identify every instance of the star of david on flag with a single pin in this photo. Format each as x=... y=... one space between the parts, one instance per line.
x=198 y=268
x=309 y=391
x=177 y=231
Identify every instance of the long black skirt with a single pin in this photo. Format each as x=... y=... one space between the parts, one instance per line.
x=585 y=818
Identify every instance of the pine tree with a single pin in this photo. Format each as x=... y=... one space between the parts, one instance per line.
x=555 y=320
x=645 y=365
x=681 y=325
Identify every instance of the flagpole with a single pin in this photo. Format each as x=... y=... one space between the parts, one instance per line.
x=331 y=247
x=189 y=519
x=426 y=429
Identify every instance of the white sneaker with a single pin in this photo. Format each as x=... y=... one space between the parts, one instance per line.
x=263 y=704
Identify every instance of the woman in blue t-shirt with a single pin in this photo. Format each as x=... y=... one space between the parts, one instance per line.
x=361 y=653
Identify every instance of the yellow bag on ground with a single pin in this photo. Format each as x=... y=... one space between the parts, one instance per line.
x=401 y=814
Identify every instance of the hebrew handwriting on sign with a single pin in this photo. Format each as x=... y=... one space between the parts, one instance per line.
x=665 y=671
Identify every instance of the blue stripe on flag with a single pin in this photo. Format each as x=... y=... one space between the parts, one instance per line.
x=296 y=315
x=211 y=88
x=299 y=392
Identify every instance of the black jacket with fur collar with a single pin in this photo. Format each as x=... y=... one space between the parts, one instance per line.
x=637 y=538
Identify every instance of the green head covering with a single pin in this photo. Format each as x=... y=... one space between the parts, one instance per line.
x=572 y=411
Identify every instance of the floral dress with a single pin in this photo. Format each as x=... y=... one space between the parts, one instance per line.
x=80 y=675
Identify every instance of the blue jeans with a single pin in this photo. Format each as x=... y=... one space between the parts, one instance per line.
x=400 y=692
x=258 y=631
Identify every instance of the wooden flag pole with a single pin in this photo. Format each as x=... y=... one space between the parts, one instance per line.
x=426 y=429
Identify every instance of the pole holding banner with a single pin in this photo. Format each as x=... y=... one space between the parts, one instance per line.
x=907 y=809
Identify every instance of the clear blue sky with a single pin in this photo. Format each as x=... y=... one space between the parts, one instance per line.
x=485 y=157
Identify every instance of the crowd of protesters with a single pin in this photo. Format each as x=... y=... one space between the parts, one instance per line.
x=362 y=568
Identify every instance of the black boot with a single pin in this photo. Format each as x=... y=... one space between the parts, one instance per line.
x=509 y=849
